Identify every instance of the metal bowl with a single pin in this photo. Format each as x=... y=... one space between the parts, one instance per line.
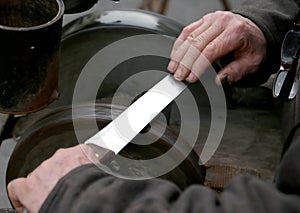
x=55 y=130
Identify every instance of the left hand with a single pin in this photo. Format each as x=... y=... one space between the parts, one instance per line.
x=212 y=37
x=32 y=191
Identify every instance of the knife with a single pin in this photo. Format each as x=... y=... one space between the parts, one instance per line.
x=109 y=141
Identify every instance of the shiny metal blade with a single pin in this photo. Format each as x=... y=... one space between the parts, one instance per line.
x=118 y=133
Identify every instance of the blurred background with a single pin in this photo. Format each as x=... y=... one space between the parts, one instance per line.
x=183 y=11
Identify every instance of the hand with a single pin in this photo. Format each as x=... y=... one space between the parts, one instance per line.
x=32 y=191
x=212 y=37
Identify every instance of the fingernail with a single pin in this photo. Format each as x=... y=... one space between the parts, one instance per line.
x=218 y=80
x=228 y=79
x=192 y=78
x=171 y=66
x=178 y=74
x=223 y=79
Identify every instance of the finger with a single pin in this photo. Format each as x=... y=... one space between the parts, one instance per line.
x=192 y=78
x=187 y=57
x=217 y=48
x=177 y=44
x=192 y=31
x=181 y=73
x=90 y=156
x=177 y=54
x=222 y=79
x=15 y=191
x=191 y=55
x=208 y=24
x=80 y=155
x=199 y=67
x=235 y=70
x=198 y=44
x=173 y=65
x=190 y=28
x=185 y=64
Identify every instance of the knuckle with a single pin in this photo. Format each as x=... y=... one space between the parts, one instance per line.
x=208 y=54
x=44 y=166
x=11 y=186
x=233 y=20
x=240 y=27
x=224 y=15
x=187 y=30
x=220 y=13
x=211 y=50
x=218 y=27
x=60 y=151
x=213 y=45
x=199 y=41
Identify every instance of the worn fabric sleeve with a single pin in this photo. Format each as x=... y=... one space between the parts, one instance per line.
x=88 y=189
x=274 y=18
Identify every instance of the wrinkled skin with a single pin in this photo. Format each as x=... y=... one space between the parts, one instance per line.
x=32 y=191
x=212 y=37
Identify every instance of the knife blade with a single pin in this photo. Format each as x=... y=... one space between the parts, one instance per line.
x=109 y=141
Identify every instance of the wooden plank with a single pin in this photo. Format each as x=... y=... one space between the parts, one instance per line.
x=158 y=6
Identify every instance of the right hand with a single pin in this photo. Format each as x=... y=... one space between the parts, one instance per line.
x=212 y=37
x=30 y=192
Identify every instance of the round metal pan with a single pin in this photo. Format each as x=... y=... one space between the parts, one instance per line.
x=55 y=130
x=86 y=36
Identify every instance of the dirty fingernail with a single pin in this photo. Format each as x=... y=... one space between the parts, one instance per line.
x=223 y=79
x=171 y=66
x=178 y=74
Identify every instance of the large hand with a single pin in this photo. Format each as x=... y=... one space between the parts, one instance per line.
x=212 y=37
x=32 y=191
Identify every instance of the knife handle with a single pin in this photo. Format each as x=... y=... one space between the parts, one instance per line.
x=105 y=156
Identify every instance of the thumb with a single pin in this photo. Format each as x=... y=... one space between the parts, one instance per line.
x=16 y=189
x=234 y=71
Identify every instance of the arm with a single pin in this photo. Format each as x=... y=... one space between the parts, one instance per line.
x=87 y=188
x=31 y=191
x=243 y=194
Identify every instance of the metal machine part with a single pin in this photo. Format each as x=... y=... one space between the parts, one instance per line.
x=30 y=37
x=55 y=130
x=286 y=83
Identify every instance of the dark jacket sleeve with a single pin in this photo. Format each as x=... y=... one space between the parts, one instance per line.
x=88 y=189
x=274 y=18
